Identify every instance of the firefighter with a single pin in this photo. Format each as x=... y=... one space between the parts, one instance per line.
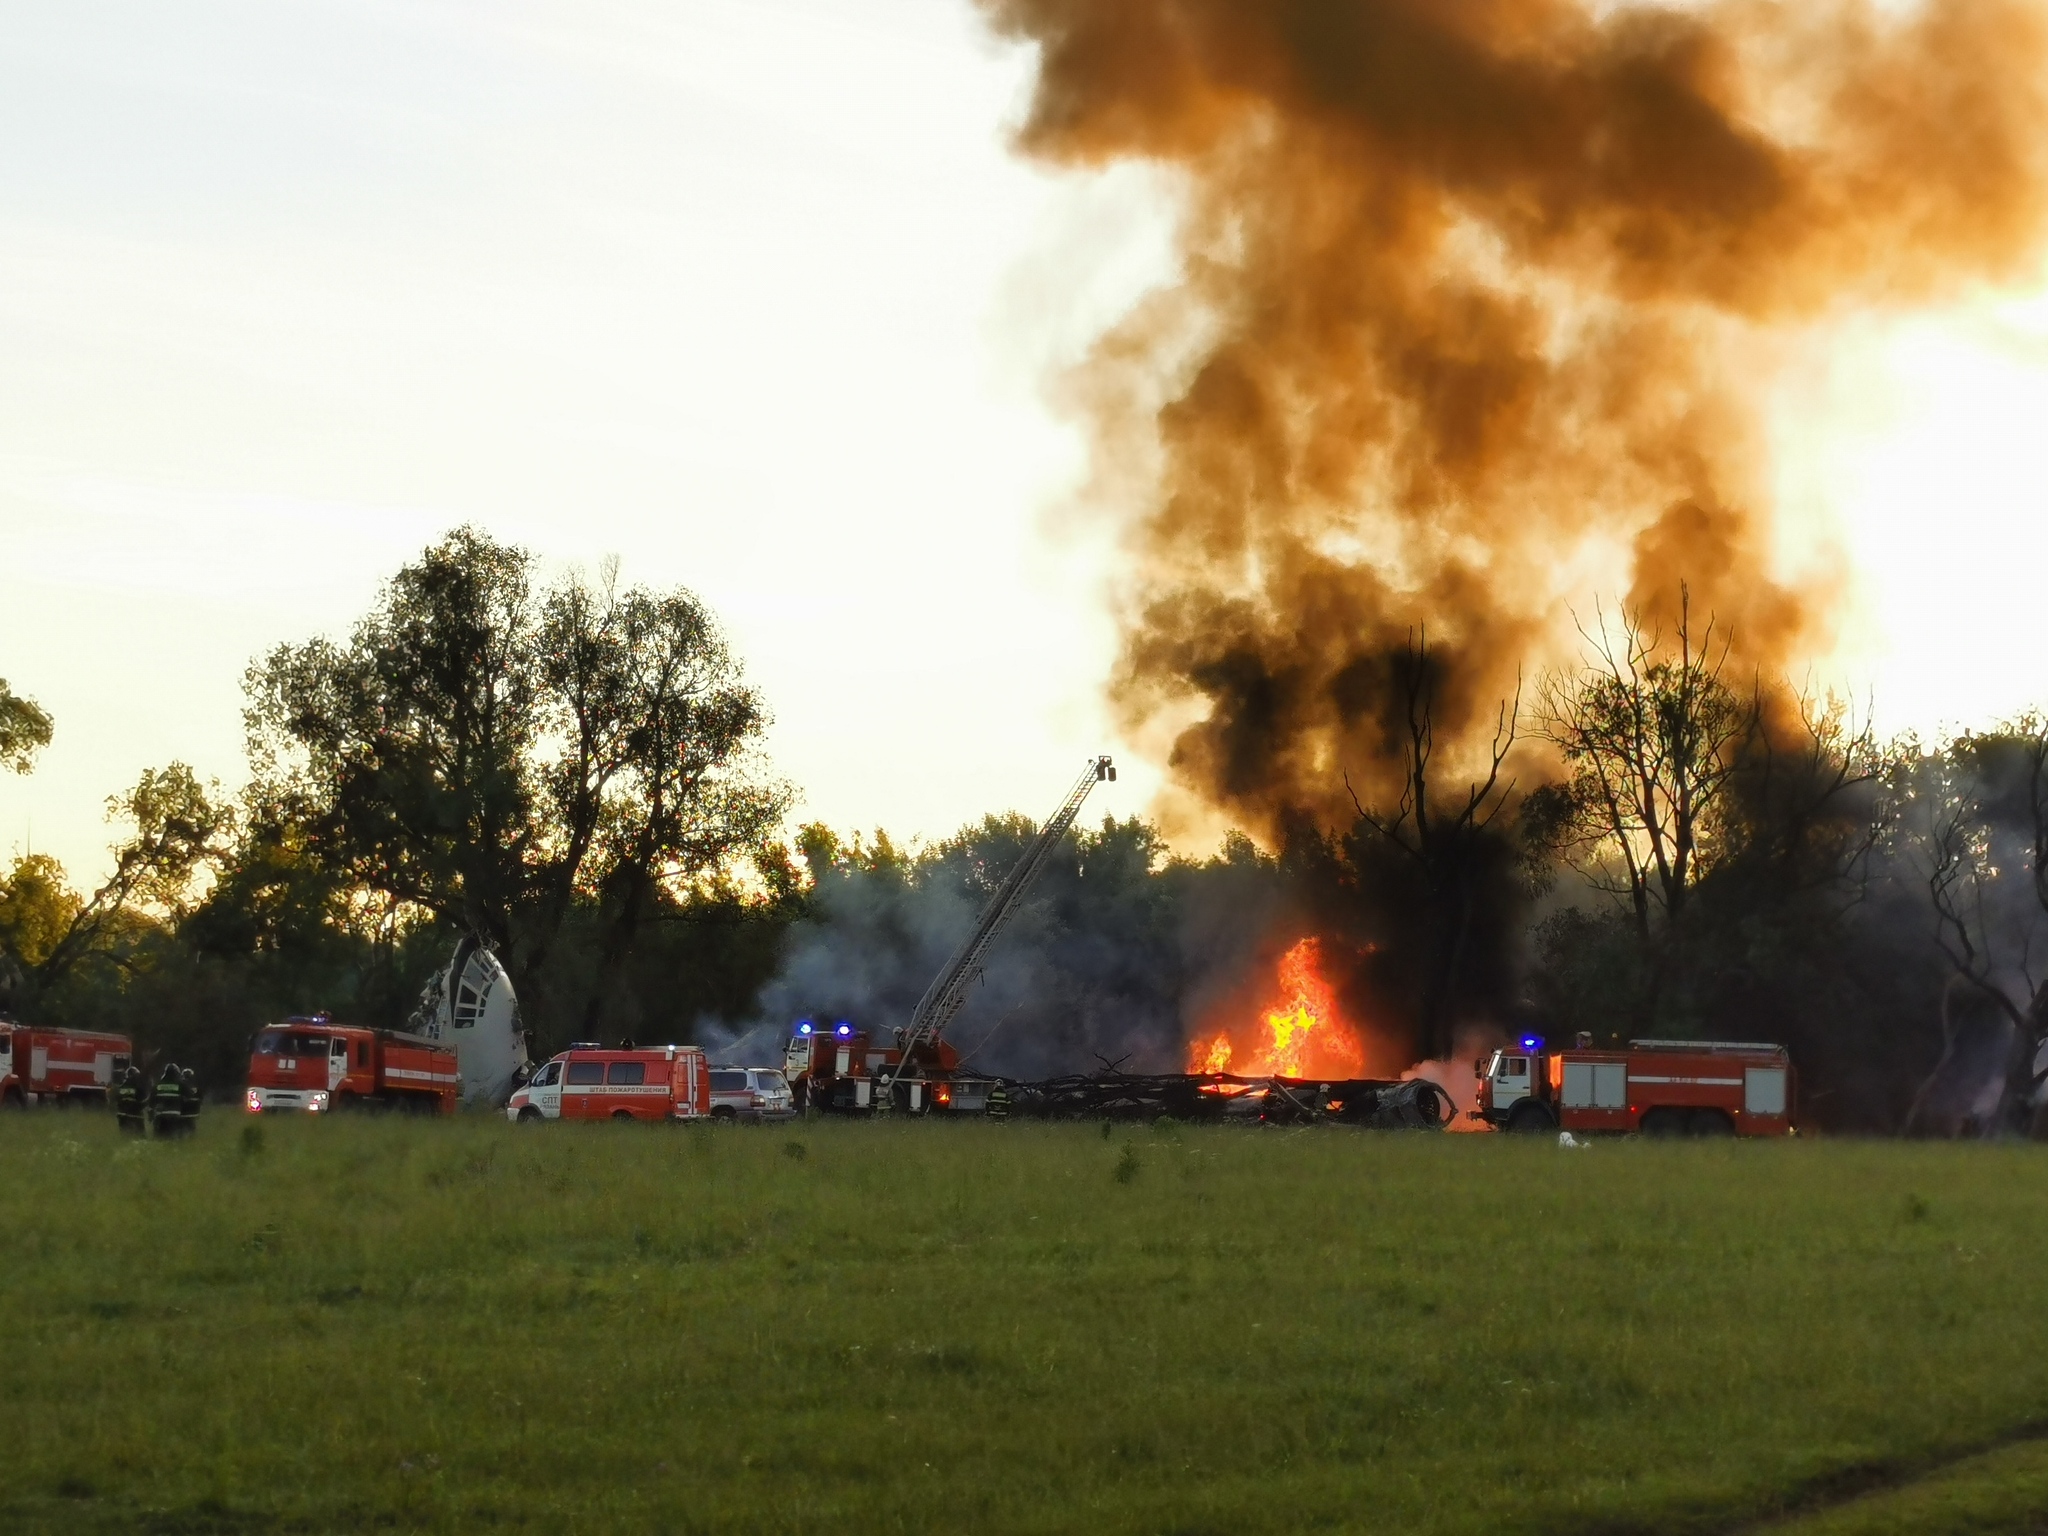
x=129 y=1104
x=998 y=1101
x=188 y=1100
x=167 y=1101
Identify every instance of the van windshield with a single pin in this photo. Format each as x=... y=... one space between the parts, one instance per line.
x=290 y=1042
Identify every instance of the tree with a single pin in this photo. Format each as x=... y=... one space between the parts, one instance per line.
x=177 y=827
x=494 y=757
x=655 y=793
x=1651 y=732
x=25 y=729
x=1455 y=857
x=1971 y=819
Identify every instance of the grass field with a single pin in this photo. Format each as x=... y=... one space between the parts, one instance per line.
x=860 y=1327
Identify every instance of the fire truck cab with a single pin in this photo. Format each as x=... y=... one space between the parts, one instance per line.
x=596 y=1082
x=316 y=1066
x=1658 y=1087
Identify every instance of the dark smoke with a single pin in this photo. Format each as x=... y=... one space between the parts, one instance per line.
x=1473 y=304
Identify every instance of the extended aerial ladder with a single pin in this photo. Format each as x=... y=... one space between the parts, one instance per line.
x=942 y=999
x=838 y=1068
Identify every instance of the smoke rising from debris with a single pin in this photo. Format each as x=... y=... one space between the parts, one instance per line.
x=1473 y=303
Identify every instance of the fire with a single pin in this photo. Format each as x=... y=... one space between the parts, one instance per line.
x=1302 y=1036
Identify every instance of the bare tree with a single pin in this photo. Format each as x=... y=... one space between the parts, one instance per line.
x=1441 y=840
x=1971 y=817
x=1651 y=731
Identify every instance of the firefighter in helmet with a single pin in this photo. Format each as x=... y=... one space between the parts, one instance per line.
x=129 y=1103
x=188 y=1100
x=168 y=1101
x=998 y=1101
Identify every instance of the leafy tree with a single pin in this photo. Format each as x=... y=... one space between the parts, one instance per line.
x=497 y=758
x=37 y=907
x=178 y=827
x=25 y=729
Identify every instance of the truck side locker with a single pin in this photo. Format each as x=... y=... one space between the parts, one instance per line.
x=1578 y=1085
x=1610 y=1084
x=1763 y=1090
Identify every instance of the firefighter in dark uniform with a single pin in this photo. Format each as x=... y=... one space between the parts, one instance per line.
x=129 y=1104
x=998 y=1101
x=167 y=1101
x=188 y=1100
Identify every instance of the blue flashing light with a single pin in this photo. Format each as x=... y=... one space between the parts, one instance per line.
x=844 y=1031
x=804 y=1028
x=1532 y=1043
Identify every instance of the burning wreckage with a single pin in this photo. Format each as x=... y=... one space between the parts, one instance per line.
x=1304 y=1068
x=1403 y=1104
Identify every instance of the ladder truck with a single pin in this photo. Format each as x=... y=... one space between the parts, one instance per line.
x=843 y=1068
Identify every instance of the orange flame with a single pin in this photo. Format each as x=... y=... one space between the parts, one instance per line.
x=1304 y=1036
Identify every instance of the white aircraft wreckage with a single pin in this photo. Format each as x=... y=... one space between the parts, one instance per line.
x=471 y=1006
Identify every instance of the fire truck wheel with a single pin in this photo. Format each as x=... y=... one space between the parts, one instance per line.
x=1664 y=1122
x=1527 y=1119
x=1711 y=1122
x=14 y=1100
x=622 y=1114
x=531 y=1116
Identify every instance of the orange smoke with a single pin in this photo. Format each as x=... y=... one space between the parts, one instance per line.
x=1476 y=307
x=1303 y=1035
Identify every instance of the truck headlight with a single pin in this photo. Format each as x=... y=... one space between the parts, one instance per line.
x=316 y=1101
x=255 y=1101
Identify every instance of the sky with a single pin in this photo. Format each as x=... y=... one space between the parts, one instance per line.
x=751 y=294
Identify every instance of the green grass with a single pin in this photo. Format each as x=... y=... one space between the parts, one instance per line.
x=1018 y=1327
x=1993 y=1494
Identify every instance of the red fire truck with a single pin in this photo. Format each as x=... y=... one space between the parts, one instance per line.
x=59 y=1066
x=843 y=1069
x=1658 y=1087
x=596 y=1082
x=319 y=1066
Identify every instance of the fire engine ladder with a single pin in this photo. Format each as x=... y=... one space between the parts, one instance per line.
x=942 y=999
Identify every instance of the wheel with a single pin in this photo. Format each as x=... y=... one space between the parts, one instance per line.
x=622 y=1114
x=346 y=1104
x=1530 y=1119
x=531 y=1116
x=13 y=1100
x=1711 y=1122
x=1664 y=1122
x=726 y=1113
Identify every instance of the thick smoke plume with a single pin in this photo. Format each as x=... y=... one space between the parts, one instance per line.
x=1475 y=300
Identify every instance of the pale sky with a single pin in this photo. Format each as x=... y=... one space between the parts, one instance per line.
x=750 y=293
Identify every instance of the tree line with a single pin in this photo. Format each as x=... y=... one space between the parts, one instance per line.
x=572 y=770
